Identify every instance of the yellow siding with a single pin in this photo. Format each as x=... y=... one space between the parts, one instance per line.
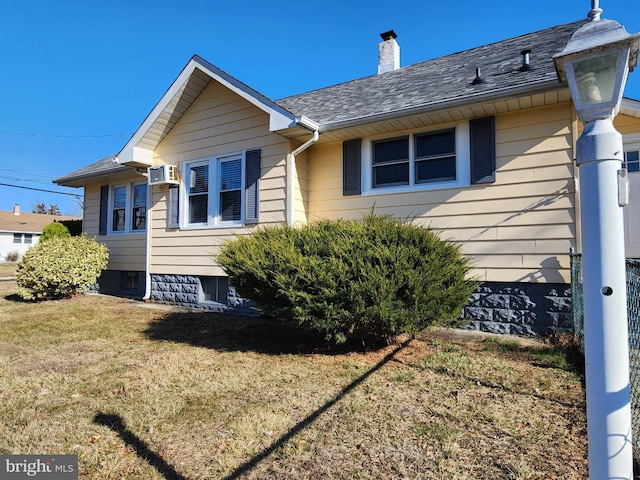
x=126 y=252
x=517 y=229
x=301 y=187
x=217 y=123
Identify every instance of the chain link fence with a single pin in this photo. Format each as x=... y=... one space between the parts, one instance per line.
x=633 y=314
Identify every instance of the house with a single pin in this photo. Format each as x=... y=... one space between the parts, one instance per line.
x=479 y=144
x=20 y=231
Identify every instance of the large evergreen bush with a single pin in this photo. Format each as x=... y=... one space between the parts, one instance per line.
x=377 y=276
x=60 y=267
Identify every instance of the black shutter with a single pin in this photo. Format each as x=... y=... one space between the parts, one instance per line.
x=483 y=150
x=351 y=167
x=252 y=186
x=104 y=209
x=173 y=207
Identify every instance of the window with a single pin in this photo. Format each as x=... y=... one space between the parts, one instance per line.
x=26 y=238
x=139 y=214
x=128 y=208
x=632 y=161
x=214 y=193
x=130 y=280
x=391 y=162
x=220 y=191
x=435 y=156
x=198 y=193
x=414 y=159
x=450 y=157
x=119 y=208
x=213 y=289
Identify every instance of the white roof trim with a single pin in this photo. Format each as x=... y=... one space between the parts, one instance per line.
x=279 y=118
x=630 y=107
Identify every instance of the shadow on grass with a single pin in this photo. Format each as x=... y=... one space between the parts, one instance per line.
x=297 y=428
x=228 y=332
x=14 y=297
x=116 y=424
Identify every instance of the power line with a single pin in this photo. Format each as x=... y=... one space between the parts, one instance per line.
x=44 y=135
x=41 y=190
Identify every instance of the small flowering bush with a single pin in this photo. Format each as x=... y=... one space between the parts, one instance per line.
x=60 y=267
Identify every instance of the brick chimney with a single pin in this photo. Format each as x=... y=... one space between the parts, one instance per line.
x=388 y=52
x=16 y=209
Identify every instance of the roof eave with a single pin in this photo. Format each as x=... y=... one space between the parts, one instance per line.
x=81 y=180
x=493 y=96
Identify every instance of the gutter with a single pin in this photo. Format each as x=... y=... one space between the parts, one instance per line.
x=291 y=164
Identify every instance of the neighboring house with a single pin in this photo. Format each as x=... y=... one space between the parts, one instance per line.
x=479 y=144
x=20 y=231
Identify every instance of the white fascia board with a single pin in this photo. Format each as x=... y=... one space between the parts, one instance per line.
x=279 y=118
x=632 y=105
x=129 y=154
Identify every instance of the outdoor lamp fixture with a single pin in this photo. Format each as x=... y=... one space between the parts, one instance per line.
x=595 y=64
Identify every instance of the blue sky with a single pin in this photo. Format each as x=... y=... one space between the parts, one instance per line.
x=79 y=77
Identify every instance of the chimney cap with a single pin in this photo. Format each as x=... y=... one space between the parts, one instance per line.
x=390 y=35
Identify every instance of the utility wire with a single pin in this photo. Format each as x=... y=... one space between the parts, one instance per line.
x=41 y=190
x=44 y=135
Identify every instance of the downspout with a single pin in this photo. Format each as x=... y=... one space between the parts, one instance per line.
x=291 y=164
x=147 y=260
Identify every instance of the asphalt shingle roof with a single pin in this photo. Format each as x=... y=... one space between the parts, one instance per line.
x=444 y=81
x=28 y=222
x=441 y=80
x=105 y=165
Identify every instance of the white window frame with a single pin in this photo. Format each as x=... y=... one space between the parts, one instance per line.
x=128 y=209
x=214 y=219
x=463 y=162
x=631 y=143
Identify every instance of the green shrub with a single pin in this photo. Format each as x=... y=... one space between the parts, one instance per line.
x=54 y=230
x=378 y=276
x=60 y=267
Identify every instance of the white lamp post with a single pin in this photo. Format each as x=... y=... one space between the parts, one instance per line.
x=596 y=63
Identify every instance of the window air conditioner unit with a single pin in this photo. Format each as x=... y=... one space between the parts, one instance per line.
x=163 y=174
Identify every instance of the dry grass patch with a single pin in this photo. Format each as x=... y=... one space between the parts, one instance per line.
x=143 y=393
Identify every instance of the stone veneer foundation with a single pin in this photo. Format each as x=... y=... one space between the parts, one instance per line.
x=520 y=308
x=529 y=309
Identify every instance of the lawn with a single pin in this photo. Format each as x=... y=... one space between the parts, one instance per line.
x=148 y=393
